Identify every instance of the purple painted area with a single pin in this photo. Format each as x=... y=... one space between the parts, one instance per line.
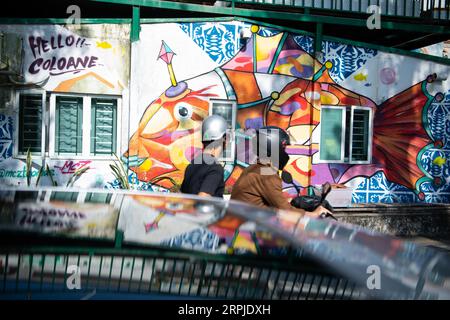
x=177 y=90
x=301 y=151
x=337 y=170
x=290 y=108
x=307 y=72
x=366 y=170
x=254 y=123
x=178 y=134
x=321 y=173
x=289 y=189
x=387 y=76
x=290 y=44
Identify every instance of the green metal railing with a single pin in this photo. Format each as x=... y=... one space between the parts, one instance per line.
x=430 y=9
x=34 y=271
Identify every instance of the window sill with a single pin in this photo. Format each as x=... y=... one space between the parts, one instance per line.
x=62 y=158
x=344 y=162
x=90 y=157
x=24 y=157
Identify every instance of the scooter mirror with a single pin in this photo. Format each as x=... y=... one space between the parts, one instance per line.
x=287 y=177
x=326 y=188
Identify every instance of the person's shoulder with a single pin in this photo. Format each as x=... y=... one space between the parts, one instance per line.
x=216 y=167
x=254 y=168
x=262 y=170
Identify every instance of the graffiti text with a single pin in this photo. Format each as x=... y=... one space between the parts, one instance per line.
x=56 y=64
x=70 y=167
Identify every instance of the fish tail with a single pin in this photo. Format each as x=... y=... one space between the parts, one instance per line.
x=401 y=135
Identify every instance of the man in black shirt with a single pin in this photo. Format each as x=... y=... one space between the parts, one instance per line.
x=205 y=176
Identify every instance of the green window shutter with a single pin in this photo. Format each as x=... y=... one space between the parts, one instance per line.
x=331 y=134
x=30 y=123
x=360 y=135
x=69 y=124
x=103 y=126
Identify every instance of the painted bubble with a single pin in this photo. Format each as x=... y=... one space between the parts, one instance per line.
x=387 y=75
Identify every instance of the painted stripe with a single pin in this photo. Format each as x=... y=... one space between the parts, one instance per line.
x=277 y=53
x=228 y=87
x=319 y=73
x=306 y=151
x=255 y=54
x=254 y=103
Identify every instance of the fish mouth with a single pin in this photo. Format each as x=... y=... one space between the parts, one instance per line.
x=147 y=168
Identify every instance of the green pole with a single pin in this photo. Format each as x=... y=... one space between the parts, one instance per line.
x=135 y=24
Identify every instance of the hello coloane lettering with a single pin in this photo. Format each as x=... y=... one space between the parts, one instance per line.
x=49 y=57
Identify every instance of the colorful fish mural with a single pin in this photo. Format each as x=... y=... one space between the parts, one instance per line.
x=275 y=82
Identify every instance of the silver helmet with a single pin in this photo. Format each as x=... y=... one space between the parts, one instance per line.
x=213 y=128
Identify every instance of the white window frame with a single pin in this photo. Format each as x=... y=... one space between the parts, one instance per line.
x=23 y=155
x=344 y=127
x=233 y=103
x=86 y=127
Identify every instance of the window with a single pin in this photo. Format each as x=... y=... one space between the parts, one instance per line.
x=30 y=122
x=346 y=134
x=69 y=125
x=103 y=126
x=227 y=110
x=84 y=126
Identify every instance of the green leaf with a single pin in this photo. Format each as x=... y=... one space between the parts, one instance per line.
x=50 y=175
x=29 y=166
x=41 y=170
x=75 y=175
x=119 y=173
x=175 y=188
x=122 y=172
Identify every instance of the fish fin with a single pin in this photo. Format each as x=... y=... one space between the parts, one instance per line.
x=401 y=135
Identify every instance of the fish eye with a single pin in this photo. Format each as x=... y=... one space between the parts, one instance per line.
x=183 y=112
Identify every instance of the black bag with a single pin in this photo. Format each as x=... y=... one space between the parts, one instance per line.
x=307 y=203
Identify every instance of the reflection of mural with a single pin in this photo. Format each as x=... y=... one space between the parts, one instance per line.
x=69 y=219
x=192 y=224
x=276 y=82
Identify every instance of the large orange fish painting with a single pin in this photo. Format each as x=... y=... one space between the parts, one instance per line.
x=276 y=83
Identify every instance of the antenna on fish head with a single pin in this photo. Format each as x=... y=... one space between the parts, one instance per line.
x=166 y=54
